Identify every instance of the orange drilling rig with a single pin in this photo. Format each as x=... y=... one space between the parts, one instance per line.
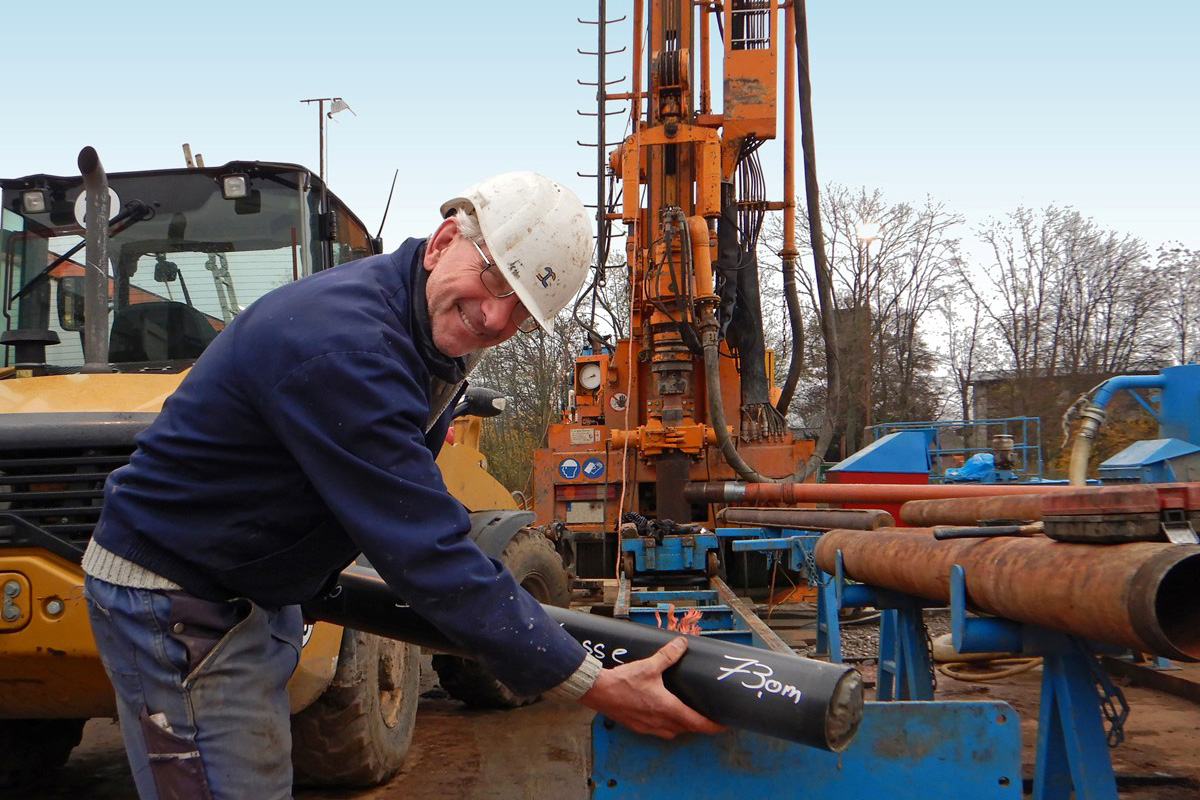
x=688 y=394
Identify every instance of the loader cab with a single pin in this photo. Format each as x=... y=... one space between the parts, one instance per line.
x=200 y=246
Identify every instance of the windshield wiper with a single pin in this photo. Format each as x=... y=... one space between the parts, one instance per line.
x=135 y=211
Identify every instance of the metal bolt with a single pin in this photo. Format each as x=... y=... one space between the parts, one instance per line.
x=11 y=612
x=54 y=606
x=12 y=589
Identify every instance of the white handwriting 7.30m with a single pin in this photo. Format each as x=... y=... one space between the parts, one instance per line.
x=758 y=678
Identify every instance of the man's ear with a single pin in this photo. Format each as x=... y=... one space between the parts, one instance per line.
x=441 y=240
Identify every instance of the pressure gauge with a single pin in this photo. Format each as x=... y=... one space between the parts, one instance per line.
x=589 y=376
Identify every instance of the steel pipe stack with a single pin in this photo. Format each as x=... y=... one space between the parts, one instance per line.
x=777 y=694
x=1140 y=595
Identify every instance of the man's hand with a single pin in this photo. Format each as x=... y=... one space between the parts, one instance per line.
x=634 y=696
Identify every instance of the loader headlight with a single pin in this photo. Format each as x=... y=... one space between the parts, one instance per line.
x=235 y=186
x=34 y=201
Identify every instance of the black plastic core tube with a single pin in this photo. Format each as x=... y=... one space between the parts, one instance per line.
x=776 y=694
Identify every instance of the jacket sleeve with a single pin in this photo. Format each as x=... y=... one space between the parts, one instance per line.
x=354 y=422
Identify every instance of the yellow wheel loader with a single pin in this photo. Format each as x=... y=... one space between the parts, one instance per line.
x=113 y=285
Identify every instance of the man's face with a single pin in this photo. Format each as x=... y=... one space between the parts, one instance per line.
x=464 y=315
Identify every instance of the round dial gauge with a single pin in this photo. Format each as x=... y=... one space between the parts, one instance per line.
x=589 y=376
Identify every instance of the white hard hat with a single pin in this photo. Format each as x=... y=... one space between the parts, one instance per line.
x=538 y=233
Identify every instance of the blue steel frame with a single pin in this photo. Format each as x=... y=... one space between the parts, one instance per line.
x=1072 y=749
x=1072 y=752
x=1026 y=433
x=903 y=751
x=684 y=553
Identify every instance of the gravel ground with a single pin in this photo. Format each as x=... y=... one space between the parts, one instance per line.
x=860 y=637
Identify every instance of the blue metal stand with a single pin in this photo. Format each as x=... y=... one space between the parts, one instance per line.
x=1072 y=748
x=903 y=751
x=905 y=671
x=1071 y=752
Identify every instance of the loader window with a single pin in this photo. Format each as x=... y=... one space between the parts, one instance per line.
x=26 y=253
x=196 y=261
x=350 y=241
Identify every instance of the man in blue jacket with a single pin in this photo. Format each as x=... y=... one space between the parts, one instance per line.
x=306 y=434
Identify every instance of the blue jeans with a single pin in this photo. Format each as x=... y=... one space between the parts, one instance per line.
x=201 y=690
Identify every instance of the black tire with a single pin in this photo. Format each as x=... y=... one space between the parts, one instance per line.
x=357 y=733
x=537 y=567
x=30 y=748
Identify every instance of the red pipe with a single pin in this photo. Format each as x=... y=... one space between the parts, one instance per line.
x=732 y=492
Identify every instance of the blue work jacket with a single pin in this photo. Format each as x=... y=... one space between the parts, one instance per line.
x=301 y=438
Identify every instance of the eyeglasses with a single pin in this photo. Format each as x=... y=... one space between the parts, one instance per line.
x=499 y=288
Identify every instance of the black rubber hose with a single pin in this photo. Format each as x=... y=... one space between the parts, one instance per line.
x=777 y=694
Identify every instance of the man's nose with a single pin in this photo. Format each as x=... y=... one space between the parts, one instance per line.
x=498 y=311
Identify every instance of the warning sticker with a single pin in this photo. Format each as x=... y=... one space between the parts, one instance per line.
x=593 y=468
x=568 y=468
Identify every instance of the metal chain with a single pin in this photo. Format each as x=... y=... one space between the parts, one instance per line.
x=812 y=572
x=933 y=673
x=1110 y=697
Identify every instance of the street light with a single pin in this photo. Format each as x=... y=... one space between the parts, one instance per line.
x=336 y=104
x=867 y=232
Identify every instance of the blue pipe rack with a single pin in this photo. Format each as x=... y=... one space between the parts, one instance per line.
x=1072 y=758
x=903 y=751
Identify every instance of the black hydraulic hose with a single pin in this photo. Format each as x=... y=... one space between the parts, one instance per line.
x=796 y=326
x=834 y=400
x=716 y=412
x=777 y=694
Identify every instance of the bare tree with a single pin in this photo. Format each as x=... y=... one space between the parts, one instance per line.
x=534 y=372
x=1180 y=271
x=884 y=289
x=1016 y=290
x=1109 y=298
x=964 y=326
x=917 y=258
x=1065 y=297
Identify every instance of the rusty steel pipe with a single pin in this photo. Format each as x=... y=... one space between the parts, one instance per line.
x=809 y=519
x=733 y=492
x=1140 y=595
x=970 y=510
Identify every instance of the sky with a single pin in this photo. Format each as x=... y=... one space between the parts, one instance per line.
x=981 y=106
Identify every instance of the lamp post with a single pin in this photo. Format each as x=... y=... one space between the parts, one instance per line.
x=867 y=232
x=336 y=104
